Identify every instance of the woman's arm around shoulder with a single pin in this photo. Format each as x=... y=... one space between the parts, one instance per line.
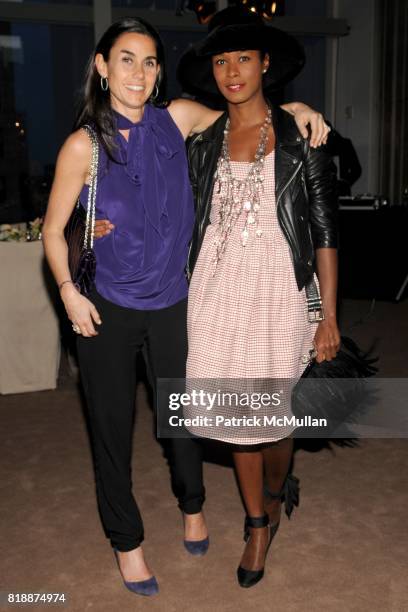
x=191 y=117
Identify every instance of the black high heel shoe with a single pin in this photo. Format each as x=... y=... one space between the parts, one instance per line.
x=248 y=578
x=289 y=494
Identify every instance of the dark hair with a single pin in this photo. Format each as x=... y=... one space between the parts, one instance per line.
x=95 y=106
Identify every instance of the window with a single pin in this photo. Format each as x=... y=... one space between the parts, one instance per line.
x=41 y=69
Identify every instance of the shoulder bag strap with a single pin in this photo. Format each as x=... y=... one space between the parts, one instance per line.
x=90 y=208
x=313 y=299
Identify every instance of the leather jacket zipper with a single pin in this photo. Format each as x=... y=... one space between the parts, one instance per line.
x=188 y=273
x=283 y=228
x=197 y=139
x=290 y=180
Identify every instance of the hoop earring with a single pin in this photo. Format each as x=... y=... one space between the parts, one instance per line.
x=104 y=83
x=154 y=95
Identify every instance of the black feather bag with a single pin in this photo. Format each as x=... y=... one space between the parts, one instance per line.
x=334 y=390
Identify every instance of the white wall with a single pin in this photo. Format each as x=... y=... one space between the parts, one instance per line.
x=351 y=85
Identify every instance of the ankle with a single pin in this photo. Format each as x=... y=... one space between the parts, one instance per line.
x=127 y=554
x=132 y=565
x=193 y=521
x=197 y=516
x=253 y=557
x=258 y=532
x=195 y=527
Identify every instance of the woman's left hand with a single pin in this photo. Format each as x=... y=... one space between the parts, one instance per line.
x=327 y=340
x=304 y=115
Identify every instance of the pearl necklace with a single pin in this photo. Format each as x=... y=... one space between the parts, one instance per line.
x=239 y=195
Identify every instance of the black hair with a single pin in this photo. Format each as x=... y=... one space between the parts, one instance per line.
x=95 y=106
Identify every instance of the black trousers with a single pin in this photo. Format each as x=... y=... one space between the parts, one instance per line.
x=108 y=371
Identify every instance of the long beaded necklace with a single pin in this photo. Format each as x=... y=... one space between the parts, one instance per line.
x=238 y=195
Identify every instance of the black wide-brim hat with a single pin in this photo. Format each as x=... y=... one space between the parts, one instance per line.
x=238 y=29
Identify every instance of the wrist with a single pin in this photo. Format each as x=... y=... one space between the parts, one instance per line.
x=65 y=282
x=329 y=308
x=297 y=107
x=290 y=107
x=67 y=288
x=330 y=317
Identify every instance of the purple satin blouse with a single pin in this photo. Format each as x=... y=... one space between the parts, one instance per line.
x=148 y=197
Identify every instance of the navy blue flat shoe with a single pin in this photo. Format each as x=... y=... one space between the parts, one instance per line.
x=198 y=547
x=140 y=587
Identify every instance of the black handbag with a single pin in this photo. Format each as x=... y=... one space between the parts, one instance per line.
x=334 y=390
x=79 y=231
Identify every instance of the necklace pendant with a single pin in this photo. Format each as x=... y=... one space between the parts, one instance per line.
x=238 y=195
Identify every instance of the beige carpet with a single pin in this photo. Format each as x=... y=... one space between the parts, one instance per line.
x=344 y=550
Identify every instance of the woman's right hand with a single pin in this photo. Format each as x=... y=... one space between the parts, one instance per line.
x=81 y=312
x=102 y=228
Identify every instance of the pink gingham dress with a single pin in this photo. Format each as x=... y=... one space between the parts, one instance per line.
x=249 y=320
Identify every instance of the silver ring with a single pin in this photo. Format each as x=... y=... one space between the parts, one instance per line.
x=76 y=328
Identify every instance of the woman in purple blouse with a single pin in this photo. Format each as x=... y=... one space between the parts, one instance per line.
x=140 y=295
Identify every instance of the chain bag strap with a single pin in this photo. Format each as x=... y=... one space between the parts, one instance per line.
x=91 y=203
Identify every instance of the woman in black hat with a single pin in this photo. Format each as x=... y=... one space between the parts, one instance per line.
x=265 y=218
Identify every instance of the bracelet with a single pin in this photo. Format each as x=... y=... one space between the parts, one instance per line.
x=60 y=286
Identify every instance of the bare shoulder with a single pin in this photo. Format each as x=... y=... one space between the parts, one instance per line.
x=78 y=144
x=191 y=117
x=181 y=106
x=76 y=152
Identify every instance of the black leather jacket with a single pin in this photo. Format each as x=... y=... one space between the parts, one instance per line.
x=306 y=193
